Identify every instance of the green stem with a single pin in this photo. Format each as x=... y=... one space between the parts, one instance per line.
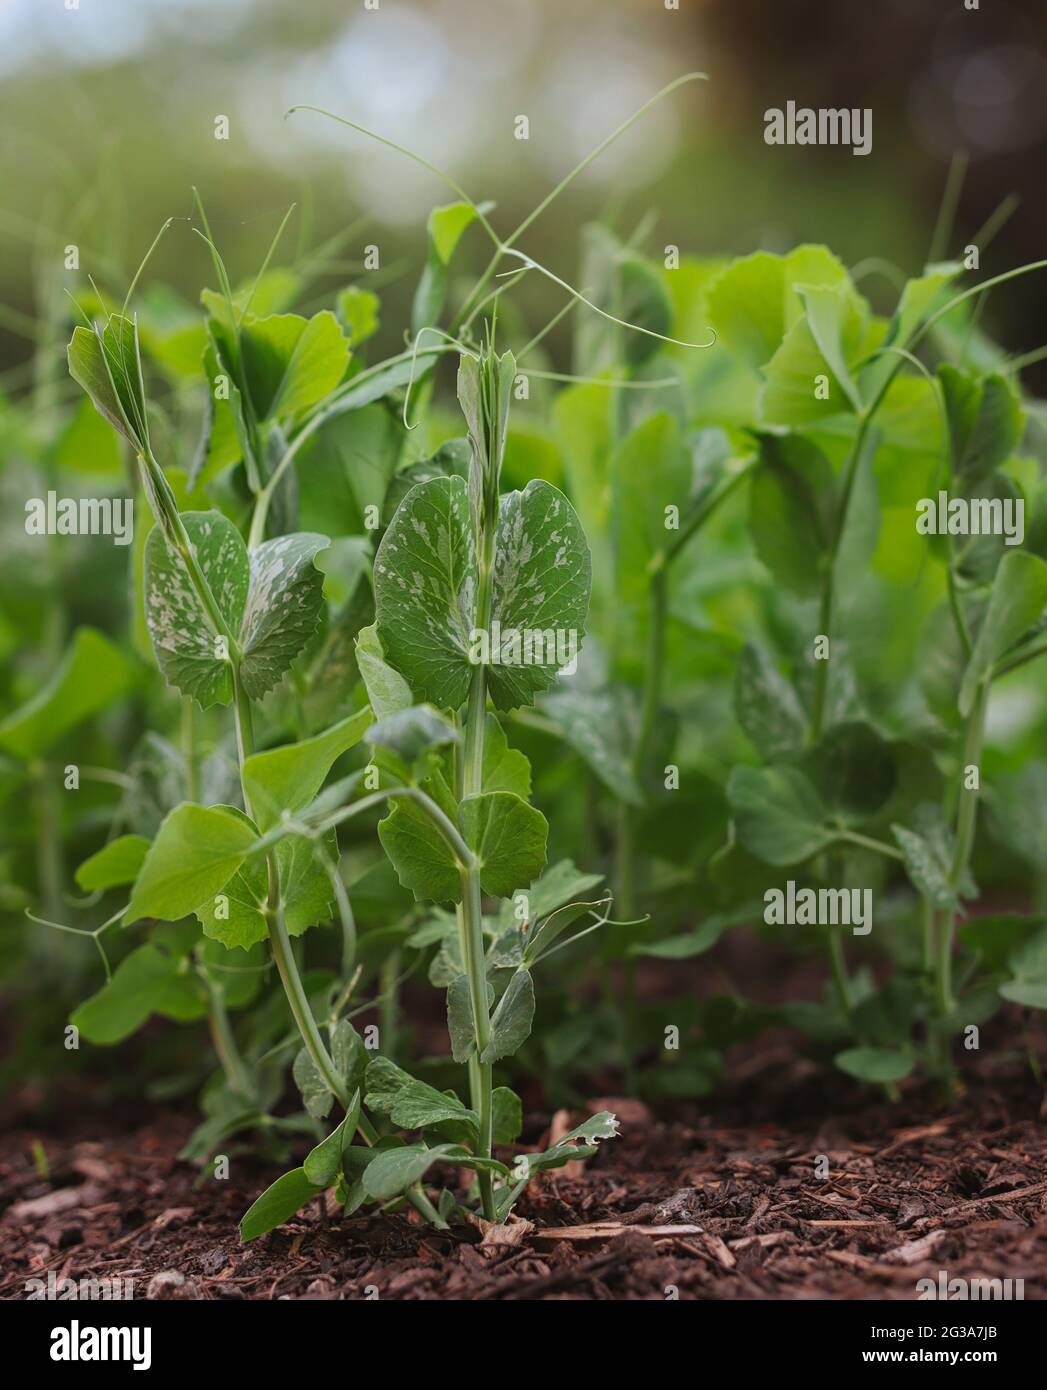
x=236 y=1073
x=966 y=816
x=389 y=1004
x=188 y=737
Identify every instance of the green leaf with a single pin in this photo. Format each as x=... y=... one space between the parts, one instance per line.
x=277 y=1204
x=507 y=1115
x=880 y=1065
x=766 y=705
x=287 y=778
x=107 y=364
x=985 y=423
x=597 y=726
x=460 y=1019
x=692 y=943
x=409 y=1103
x=422 y=860
x=291 y=363
x=546 y=932
x=1016 y=603
x=792 y=503
x=928 y=859
x=387 y=690
x=1030 y=994
x=754 y=301
x=196 y=852
x=509 y=837
x=426 y=584
x=412 y=735
x=282 y=610
x=146 y=982
x=828 y=314
x=358 y=312
x=182 y=635
x=505 y=769
x=445 y=229
x=779 y=815
x=348 y=1054
x=93 y=673
x=559 y=884
x=324 y=1163
x=512 y=1019
x=238 y=920
x=117 y=863
x=317 y=1096
x=581 y=1142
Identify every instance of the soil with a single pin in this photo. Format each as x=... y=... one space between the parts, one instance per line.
x=700 y=1201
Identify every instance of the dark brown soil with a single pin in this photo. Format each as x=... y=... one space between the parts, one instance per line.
x=699 y=1202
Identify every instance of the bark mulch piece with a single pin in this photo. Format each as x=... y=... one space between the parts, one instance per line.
x=698 y=1202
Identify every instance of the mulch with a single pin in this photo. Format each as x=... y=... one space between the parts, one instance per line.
x=696 y=1202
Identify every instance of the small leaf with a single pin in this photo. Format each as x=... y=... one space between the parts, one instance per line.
x=287 y=778
x=147 y=981
x=196 y=852
x=426 y=583
x=766 y=705
x=509 y=837
x=291 y=363
x=507 y=1115
x=317 y=1096
x=779 y=815
x=460 y=1019
x=512 y=1019
x=277 y=1204
x=411 y=734
x=387 y=690
x=410 y=1103
x=1016 y=603
x=928 y=862
x=546 y=932
x=118 y=863
x=93 y=673
x=876 y=1064
x=324 y=1163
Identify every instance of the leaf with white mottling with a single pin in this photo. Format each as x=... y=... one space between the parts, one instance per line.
x=282 y=610
x=426 y=591
x=183 y=638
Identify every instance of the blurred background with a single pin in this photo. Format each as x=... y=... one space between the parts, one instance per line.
x=109 y=110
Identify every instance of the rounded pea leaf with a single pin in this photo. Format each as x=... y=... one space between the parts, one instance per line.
x=118 y=862
x=509 y=837
x=283 y=607
x=780 y=817
x=877 y=1064
x=146 y=982
x=196 y=852
x=512 y=1019
x=183 y=637
x=426 y=584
